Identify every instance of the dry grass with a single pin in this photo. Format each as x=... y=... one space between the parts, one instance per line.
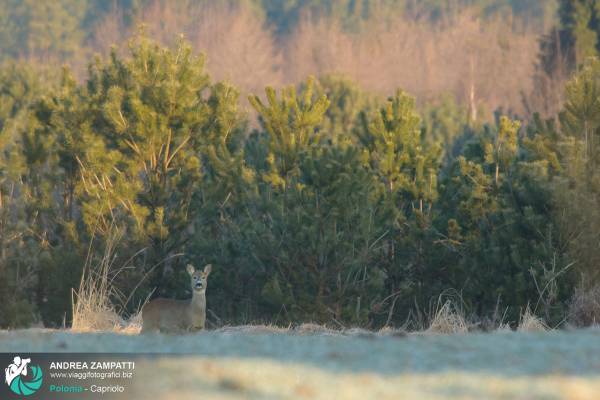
x=584 y=308
x=312 y=329
x=448 y=319
x=93 y=309
x=252 y=329
x=531 y=323
x=93 y=303
x=309 y=329
x=302 y=329
x=394 y=332
x=133 y=325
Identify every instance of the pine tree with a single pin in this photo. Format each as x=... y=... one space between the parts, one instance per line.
x=503 y=150
x=55 y=28
x=575 y=40
x=395 y=151
x=581 y=116
x=291 y=124
x=504 y=238
x=577 y=189
x=347 y=100
x=137 y=137
x=27 y=206
x=406 y=170
x=315 y=213
x=446 y=122
x=43 y=30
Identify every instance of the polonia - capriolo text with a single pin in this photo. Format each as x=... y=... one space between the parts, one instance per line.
x=93 y=365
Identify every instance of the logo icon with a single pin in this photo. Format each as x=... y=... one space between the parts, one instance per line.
x=22 y=380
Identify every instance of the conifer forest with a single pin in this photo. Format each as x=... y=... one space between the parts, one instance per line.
x=341 y=162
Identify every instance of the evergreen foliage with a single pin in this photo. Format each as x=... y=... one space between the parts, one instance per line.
x=338 y=207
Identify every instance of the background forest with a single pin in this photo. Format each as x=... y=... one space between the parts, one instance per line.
x=403 y=152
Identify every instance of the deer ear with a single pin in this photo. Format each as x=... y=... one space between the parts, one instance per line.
x=190 y=269
x=207 y=269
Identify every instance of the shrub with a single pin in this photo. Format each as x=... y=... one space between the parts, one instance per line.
x=448 y=319
x=584 y=308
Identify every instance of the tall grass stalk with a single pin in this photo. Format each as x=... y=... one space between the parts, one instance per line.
x=93 y=303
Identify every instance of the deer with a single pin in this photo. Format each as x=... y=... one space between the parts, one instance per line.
x=169 y=315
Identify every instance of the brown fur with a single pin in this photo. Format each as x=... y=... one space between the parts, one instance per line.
x=168 y=315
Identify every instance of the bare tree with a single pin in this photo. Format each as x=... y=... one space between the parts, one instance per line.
x=485 y=64
x=239 y=46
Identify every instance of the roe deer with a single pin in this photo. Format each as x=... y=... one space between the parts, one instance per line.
x=168 y=315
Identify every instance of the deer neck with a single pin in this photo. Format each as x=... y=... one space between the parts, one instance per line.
x=198 y=299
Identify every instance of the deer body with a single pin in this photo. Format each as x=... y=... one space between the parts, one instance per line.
x=168 y=315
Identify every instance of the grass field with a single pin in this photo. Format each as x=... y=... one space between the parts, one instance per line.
x=267 y=363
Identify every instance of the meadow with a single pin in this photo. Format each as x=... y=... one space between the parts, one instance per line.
x=395 y=196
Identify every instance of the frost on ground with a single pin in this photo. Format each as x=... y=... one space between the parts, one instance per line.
x=274 y=364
